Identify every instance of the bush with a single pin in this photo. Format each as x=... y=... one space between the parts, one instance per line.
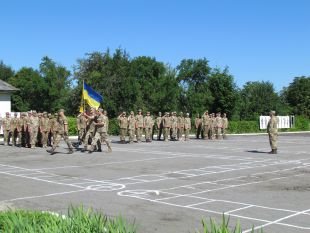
x=301 y=123
x=243 y=127
x=72 y=126
x=77 y=220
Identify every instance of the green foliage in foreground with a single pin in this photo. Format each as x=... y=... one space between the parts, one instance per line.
x=78 y=220
x=213 y=227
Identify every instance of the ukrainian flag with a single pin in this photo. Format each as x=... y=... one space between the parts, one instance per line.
x=92 y=98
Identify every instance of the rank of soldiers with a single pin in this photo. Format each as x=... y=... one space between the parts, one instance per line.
x=34 y=129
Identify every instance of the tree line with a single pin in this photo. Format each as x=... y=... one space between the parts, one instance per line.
x=143 y=82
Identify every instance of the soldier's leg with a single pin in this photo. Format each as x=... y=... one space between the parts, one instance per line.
x=69 y=144
x=186 y=134
x=181 y=134
x=56 y=140
x=205 y=132
x=95 y=140
x=131 y=135
x=5 y=137
x=19 y=138
x=33 y=136
x=224 y=133
x=159 y=133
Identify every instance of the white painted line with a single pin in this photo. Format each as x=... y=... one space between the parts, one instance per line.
x=242 y=208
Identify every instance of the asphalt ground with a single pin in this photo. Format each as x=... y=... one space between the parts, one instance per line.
x=169 y=186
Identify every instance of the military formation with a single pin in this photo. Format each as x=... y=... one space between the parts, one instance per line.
x=32 y=129
x=171 y=126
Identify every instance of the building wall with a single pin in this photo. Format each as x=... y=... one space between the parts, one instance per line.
x=5 y=103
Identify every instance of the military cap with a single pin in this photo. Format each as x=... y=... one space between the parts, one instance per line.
x=7 y=113
x=273 y=112
x=44 y=113
x=148 y=112
x=55 y=114
x=34 y=111
x=140 y=110
x=131 y=112
x=124 y=112
x=187 y=114
x=61 y=110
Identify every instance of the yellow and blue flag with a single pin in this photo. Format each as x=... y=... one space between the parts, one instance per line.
x=92 y=98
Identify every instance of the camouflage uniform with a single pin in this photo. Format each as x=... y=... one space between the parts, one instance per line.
x=100 y=132
x=139 y=125
x=90 y=128
x=166 y=126
x=272 y=130
x=81 y=122
x=174 y=126
x=181 y=122
x=159 y=126
x=148 y=126
x=225 y=125
x=44 y=129
x=218 y=125
x=131 y=127
x=6 y=128
x=123 y=125
x=198 y=126
x=61 y=131
x=187 y=126
x=207 y=125
x=16 y=130
x=34 y=130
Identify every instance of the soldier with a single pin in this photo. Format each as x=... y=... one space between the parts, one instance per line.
x=16 y=127
x=81 y=122
x=51 y=121
x=34 y=124
x=123 y=125
x=28 y=129
x=212 y=126
x=187 y=126
x=106 y=119
x=218 y=125
x=23 y=122
x=198 y=126
x=6 y=128
x=180 y=126
x=131 y=126
x=148 y=126
x=166 y=126
x=61 y=132
x=272 y=130
x=139 y=125
x=174 y=126
x=90 y=128
x=225 y=125
x=159 y=125
x=206 y=124
x=100 y=132
x=44 y=129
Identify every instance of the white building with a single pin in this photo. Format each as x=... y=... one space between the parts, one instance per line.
x=6 y=90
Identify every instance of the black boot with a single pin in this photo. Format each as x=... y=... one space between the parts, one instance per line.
x=51 y=151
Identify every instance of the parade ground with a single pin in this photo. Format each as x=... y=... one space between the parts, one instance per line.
x=169 y=187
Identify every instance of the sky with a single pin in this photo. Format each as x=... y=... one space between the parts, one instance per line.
x=259 y=40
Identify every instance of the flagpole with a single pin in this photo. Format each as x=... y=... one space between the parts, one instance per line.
x=83 y=96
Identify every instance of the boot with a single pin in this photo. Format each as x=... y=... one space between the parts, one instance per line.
x=109 y=149
x=273 y=151
x=70 y=151
x=51 y=151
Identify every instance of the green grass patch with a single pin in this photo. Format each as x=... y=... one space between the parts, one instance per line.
x=77 y=220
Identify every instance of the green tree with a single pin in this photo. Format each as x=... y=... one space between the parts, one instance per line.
x=258 y=98
x=298 y=95
x=57 y=80
x=224 y=91
x=31 y=95
x=6 y=72
x=193 y=77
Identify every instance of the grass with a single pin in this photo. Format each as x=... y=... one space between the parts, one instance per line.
x=78 y=220
x=213 y=227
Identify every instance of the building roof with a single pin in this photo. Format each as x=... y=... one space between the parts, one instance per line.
x=5 y=87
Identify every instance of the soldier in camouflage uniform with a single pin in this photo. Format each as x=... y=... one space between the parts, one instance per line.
x=123 y=125
x=139 y=125
x=81 y=122
x=51 y=120
x=90 y=128
x=159 y=126
x=198 y=126
x=218 y=125
x=212 y=127
x=34 y=124
x=225 y=125
x=6 y=128
x=187 y=126
x=131 y=126
x=28 y=129
x=166 y=126
x=61 y=132
x=100 y=132
x=181 y=122
x=148 y=126
x=44 y=129
x=206 y=124
x=16 y=128
x=272 y=130
x=174 y=126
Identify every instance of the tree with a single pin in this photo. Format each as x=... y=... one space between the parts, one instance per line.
x=6 y=72
x=31 y=95
x=224 y=91
x=193 y=77
x=258 y=98
x=298 y=95
x=57 y=80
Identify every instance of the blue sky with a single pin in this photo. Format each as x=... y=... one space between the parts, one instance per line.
x=257 y=39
